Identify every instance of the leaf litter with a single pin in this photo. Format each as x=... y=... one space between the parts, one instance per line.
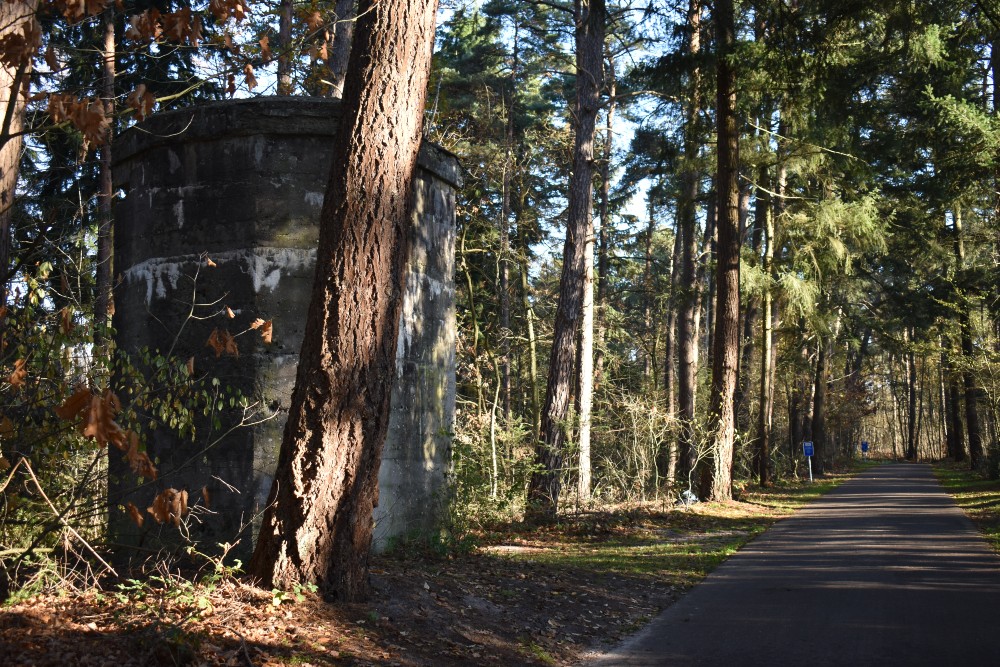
x=526 y=596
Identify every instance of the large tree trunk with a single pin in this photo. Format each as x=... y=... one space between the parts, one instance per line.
x=818 y=436
x=105 y=233
x=667 y=454
x=544 y=487
x=972 y=425
x=767 y=359
x=340 y=52
x=529 y=312
x=13 y=85
x=285 y=56
x=317 y=526
x=956 y=432
x=503 y=260
x=585 y=378
x=687 y=297
x=604 y=241
x=911 y=399
x=648 y=335
x=726 y=350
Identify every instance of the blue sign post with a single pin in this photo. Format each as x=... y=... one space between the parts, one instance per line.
x=864 y=449
x=807 y=449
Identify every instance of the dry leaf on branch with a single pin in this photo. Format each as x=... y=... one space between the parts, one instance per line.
x=190 y=366
x=142 y=100
x=314 y=21
x=66 y=320
x=230 y=313
x=98 y=421
x=169 y=507
x=75 y=404
x=265 y=329
x=19 y=46
x=251 y=80
x=19 y=374
x=223 y=10
x=75 y=11
x=222 y=342
x=265 y=49
x=139 y=461
x=135 y=514
x=206 y=497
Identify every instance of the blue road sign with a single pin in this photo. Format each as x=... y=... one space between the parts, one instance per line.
x=807 y=448
x=864 y=445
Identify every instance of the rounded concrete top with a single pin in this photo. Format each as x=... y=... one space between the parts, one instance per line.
x=309 y=116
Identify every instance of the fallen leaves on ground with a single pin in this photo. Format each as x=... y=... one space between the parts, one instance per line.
x=527 y=596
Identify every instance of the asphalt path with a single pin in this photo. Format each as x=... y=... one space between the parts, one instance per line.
x=883 y=570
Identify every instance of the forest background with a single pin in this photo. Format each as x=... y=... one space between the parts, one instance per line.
x=815 y=259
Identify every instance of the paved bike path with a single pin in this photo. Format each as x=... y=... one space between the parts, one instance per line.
x=883 y=570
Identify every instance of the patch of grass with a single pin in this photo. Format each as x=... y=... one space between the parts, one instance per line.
x=540 y=653
x=977 y=496
x=681 y=545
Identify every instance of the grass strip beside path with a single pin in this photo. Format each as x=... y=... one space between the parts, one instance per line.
x=977 y=496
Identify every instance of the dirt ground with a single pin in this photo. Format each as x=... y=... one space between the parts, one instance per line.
x=524 y=597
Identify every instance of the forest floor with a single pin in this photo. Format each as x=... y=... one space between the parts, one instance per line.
x=522 y=596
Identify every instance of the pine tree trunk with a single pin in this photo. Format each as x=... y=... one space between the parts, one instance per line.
x=585 y=379
x=819 y=408
x=544 y=487
x=13 y=84
x=972 y=425
x=956 y=431
x=536 y=410
x=340 y=51
x=725 y=358
x=605 y=233
x=503 y=261
x=285 y=55
x=687 y=298
x=105 y=229
x=648 y=335
x=911 y=399
x=767 y=359
x=667 y=456
x=318 y=523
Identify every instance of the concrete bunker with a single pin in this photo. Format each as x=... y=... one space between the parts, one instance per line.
x=242 y=183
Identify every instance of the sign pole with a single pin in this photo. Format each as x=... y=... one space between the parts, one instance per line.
x=807 y=449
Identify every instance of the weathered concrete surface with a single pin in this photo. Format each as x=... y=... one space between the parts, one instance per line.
x=884 y=570
x=243 y=183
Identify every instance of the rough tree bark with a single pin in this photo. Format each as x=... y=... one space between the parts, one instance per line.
x=911 y=398
x=343 y=33
x=604 y=240
x=725 y=357
x=767 y=352
x=317 y=526
x=972 y=425
x=105 y=233
x=648 y=334
x=687 y=336
x=285 y=56
x=544 y=487
x=956 y=433
x=585 y=367
x=819 y=406
x=13 y=79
